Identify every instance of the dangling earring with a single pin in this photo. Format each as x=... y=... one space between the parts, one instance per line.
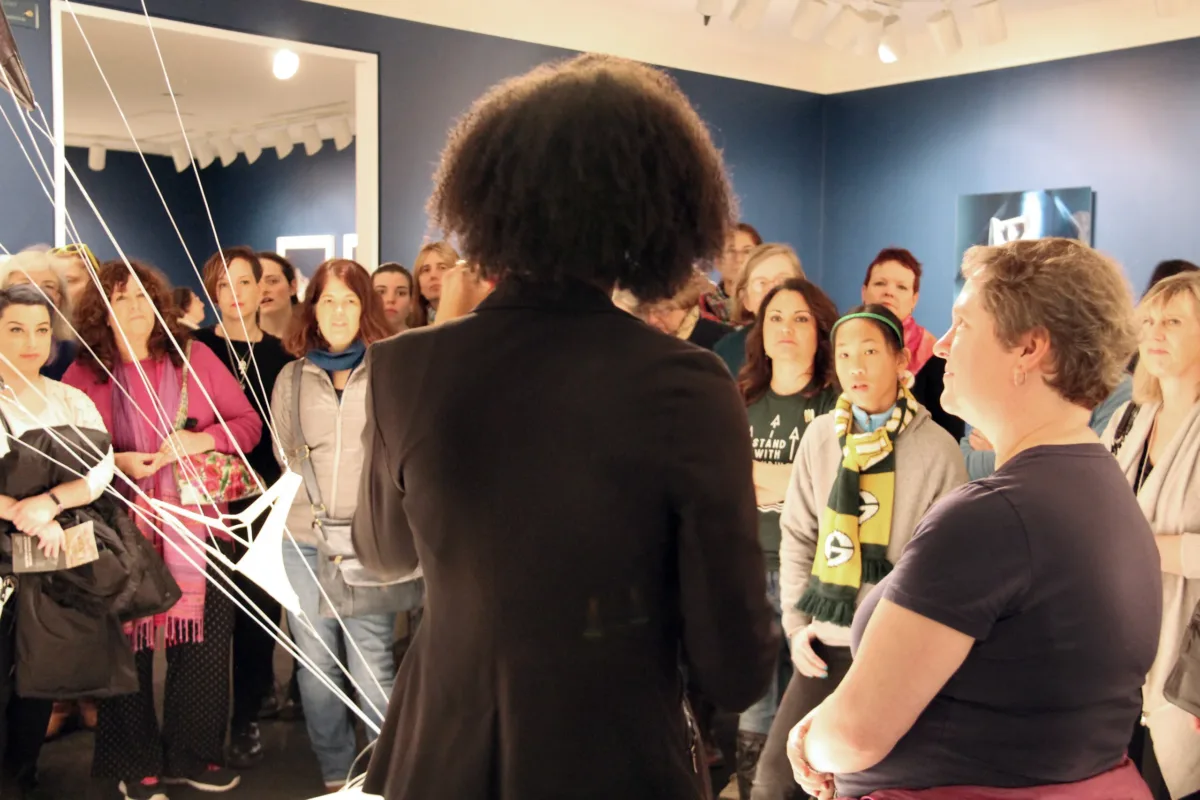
x=907 y=379
x=1019 y=378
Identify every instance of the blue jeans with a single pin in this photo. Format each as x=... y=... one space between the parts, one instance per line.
x=328 y=720
x=758 y=717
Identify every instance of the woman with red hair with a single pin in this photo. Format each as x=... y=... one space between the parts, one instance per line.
x=894 y=280
x=320 y=409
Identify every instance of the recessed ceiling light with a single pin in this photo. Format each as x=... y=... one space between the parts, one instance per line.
x=893 y=47
x=286 y=64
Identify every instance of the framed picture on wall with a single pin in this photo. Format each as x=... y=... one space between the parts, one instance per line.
x=306 y=254
x=1001 y=217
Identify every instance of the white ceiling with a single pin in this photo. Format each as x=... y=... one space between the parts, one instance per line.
x=670 y=33
x=223 y=87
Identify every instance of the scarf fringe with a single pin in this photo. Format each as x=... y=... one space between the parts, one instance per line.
x=825 y=609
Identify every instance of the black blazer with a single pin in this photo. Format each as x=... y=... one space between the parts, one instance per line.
x=578 y=490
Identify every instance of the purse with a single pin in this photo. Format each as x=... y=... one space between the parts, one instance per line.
x=1183 y=684
x=349 y=590
x=212 y=477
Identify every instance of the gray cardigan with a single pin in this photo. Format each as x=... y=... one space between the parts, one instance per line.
x=928 y=465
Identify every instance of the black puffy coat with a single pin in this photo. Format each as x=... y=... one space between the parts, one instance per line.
x=70 y=642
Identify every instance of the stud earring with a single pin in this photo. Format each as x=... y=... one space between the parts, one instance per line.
x=1019 y=378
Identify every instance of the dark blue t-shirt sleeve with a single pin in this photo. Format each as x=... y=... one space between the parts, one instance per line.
x=967 y=564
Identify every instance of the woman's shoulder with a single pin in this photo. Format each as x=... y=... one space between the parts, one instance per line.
x=75 y=402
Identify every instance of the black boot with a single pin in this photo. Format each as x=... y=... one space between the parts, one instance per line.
x=749 y=748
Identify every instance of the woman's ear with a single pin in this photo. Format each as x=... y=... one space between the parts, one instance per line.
x=902 y=359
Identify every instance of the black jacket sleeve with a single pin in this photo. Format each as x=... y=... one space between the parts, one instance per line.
x=383 y=539
x=730 y=637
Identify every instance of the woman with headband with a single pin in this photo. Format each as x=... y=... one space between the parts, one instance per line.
x=1008 y=647
x=863 y=477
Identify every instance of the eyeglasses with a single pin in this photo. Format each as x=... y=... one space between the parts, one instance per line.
x=80 y=250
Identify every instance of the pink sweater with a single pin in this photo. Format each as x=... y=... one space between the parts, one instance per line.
x=243 y=421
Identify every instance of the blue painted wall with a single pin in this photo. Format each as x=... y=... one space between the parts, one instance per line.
x=300 y=195
x=1125 y=123
x=26 y=214
x=126 y=198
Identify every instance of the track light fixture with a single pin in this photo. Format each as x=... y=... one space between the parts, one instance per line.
x=808 y=17
x=283 y=144
x=97 y=157
x=846 y=27
x=708 y=9
x=179 y=154
x=312 y=139
x=944 y=29
x=249 y=146
x=893 y=46
x=204 y=153
x=872 y=35
x=748 y=14
x=342 y=135
x=989 y=17
x=226 y=149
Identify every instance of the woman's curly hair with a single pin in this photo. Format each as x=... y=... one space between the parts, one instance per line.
x=595 y=169
x=92 y=317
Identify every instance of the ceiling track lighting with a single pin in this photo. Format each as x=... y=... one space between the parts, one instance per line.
x=342 y=135
x=847 y=26
x=312 y=139
x=97 y=157
x=989 y=18
x=892 y=46
x=748 y=14
x=944 y=29
x=283 y=144
x=808 y=18
x=708 y=9
x=285 y=64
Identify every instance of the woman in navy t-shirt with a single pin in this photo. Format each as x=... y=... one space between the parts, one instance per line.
x=1009 y=645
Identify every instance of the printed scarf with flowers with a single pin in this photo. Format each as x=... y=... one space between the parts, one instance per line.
x=185 y=560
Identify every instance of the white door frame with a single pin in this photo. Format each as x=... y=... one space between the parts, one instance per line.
x=366 y=114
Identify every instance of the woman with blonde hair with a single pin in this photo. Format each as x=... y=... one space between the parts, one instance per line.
x=681 y=315
x=766 y=267
x=1008 y=645
x=1156 y=439
x=429 y=269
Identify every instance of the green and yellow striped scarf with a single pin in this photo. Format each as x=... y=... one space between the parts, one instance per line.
x=857 y=523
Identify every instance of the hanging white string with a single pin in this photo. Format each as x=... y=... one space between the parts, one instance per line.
x=266 y=414
x=349 y=638
x=272 y=628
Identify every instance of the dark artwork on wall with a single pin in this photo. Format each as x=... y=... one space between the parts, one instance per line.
x=990 y=219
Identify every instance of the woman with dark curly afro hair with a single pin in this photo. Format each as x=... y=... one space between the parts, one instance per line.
x=576 y=486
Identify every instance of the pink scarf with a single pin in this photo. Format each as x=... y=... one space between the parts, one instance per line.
x=919 y=343
x=1120 y=783
x=184 y=622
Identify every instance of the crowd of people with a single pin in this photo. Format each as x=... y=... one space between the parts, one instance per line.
x=613 y=535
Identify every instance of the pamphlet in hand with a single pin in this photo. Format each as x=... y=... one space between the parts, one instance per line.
x=79 y=548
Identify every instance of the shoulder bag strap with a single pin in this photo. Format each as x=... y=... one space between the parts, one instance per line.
x=1124 y=426
x=181 y=414
x=303 y=453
